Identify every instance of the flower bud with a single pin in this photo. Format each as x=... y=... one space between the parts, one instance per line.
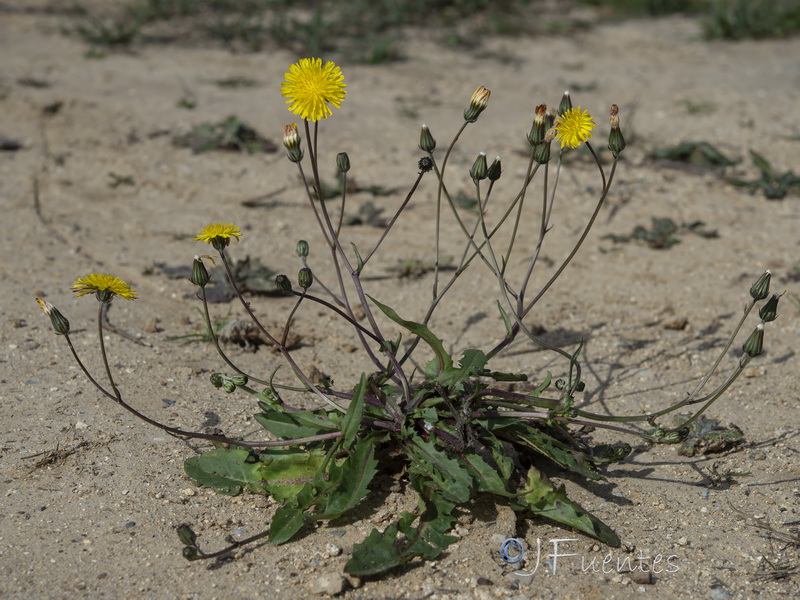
x=291 y=141
x=495 y=170
x=539 y=127
x=239 y=380
x=217 y=379
x=283 y=284
x=754 y=344
x=57 y=320
x=616 y=143
x=343 y=162
x=191 y=553
x=305 y=278
x=200 y=276
x=769 y=312
x=229 y=386
x=760 y=289
x=426 y=141
x=477 y=104
x=541 y=153
x=301 y=248
x=187 y=536
x=479 y=168
x=566 y=104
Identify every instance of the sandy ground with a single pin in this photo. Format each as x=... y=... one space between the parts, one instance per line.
x=90 y=496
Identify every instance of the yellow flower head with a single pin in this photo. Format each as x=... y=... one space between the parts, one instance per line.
x=219 y=234
x=574 y=127
x=104 y=286
x=309 y=88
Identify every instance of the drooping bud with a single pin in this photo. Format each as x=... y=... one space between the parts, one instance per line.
x=283 y=284
x=291 y=141
x=187 y=536
x=754 y=344
x=565 y=104
x=495 y=170
x=239 y=379
x=217 y=379
x=301 y=248
x=616 y=143
x=191 y=553
x=57 y=320
x=479 y=168
x=343 y=162
x=760 y=289
x=426 y=141
x=539 y=127
x=200 y=276
x=769 y=312
x=305 y=278
x=229 y=386
x=477 y=104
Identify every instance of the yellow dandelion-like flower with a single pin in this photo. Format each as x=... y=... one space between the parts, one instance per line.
x=105 y=286
x=219 y=234
x=574 y=127
x=310 y=86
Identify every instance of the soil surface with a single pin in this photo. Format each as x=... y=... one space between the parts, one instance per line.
x=91 y=496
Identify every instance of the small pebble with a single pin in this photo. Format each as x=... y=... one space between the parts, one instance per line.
x=328 y=583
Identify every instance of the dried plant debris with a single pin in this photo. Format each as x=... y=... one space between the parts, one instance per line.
x=707 y=436
x=246 y=334
x=230 y=134
x=774 y=185
x=698 y=154
x=663 y=233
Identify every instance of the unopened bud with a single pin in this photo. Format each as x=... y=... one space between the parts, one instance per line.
x=239 y=380
x=305 y=278
x=477 y=104
x=616 y=142
x=200 y=276
x=57 y=320
x=426 y=141
x=283 y=284
x=769 y=312
x=301 y=248
x=566 y=104
x=760 y=289
x=343 y=162
x=539 y=127
x=479 y=168
x=291 y=141
x=217 y=379
x=229 y=386
x=495 y=170
x=191 y=553
x=187 y=536
x=754 y=344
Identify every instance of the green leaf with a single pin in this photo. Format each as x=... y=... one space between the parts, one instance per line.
x=286 y=471
x=289 y=426
x=380 y=552
x=487 y=477
x=557 y=451
x=446 y=474
x=443 y=359
x=761 y=163
x=290 y=517
x=352 y=419
x=471 y=364
x=543 y=499
x=506 y=319
x=359 y=260
x=226 y=470
x=353 y=476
